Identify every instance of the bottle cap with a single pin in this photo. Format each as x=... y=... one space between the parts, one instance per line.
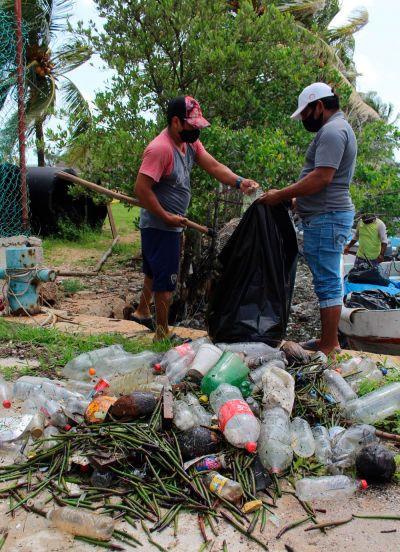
x=7 y=404
x=363 y=484
x=67 y=427
x=384 y=371
x=251 y=446
x=92 y=371
x=157 y=367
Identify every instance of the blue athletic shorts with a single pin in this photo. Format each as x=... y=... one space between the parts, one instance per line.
x=160 y=253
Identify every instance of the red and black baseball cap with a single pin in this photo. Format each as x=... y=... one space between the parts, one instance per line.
x=188 y=109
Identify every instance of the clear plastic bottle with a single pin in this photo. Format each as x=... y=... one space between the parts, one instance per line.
x=202 y=416
x=254 y=405
x=323 y=449
x=274 y=448
x=48 y=434
x=338 y=387
x=329 y=487
x=52 y=410
x=367 y=370
x=80 y=522
x=256 y=375
x=140 y=379
x=184 y=417
x=108 y=361
x=375 y=406
x=5 y=391
x=348 y=444
x=224 y=487
x=301 y=437
x=24 y=385
x=176 y=353
x=235 y=418
x=101 y=479
x=348 y=367
x=255 y=361
x=36 y=427
x=249 y=349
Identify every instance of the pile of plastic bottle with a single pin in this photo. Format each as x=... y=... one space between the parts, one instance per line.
x=227 y=376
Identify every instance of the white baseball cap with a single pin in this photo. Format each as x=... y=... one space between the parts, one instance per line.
x=315 y=91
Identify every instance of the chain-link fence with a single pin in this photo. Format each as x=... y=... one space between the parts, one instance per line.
x=13 y=203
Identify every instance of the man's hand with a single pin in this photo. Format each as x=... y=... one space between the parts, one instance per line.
x=346 y=250
x=248 y=186
x=175 y=220
x=272 y=197
x=381 y=258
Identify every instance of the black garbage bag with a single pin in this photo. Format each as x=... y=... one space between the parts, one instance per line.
x=373 y=299
x=372 y=275
x=251 y=299
x=376 y=463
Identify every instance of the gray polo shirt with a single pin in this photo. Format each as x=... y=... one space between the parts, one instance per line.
x=335 y=145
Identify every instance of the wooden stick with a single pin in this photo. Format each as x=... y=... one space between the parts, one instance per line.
x=124 y=198
x=111 y=220
x=103 y=259
x=329 y=524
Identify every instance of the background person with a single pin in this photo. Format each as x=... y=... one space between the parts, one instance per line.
x=372 y=242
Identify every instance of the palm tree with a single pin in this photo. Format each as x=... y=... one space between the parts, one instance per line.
x=46 y=70
x=335 y=46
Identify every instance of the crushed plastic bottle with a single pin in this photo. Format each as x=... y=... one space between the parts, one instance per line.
x=48 y=437
x=108 y=361
x=256 y=375
x=274 y=448
x=348 y=444
x=255 y=361
x=101 y=479
x=184 y=417
x=323 y=449
x=80 y=522
x=222 y=486
x=301 y=438
x=329 y=487
x=278 y=389
x=338 y=387
x=13 y=428
x=139 y=379
x=202 y=416
x=198 y=441
x=235 y=418
x=254 y=405
x=375 y=406
x=367 y=371
x=51 y=409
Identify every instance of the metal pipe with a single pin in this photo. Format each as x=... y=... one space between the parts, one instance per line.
x=21 y=113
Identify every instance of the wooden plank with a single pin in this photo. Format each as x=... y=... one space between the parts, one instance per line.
x=168 y=413
x=114 y=232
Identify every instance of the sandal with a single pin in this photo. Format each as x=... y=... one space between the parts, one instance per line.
x=147 y=322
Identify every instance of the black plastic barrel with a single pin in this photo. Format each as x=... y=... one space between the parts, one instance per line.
x=50 y=202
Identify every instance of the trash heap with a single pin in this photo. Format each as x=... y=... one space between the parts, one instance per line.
x=207 y=429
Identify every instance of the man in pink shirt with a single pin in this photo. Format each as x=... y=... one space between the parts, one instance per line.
x=163 y=189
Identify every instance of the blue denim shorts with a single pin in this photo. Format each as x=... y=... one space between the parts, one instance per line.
x=160 y=253
x=324 y=239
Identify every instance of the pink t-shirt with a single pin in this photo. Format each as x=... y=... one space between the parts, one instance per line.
x=158 y=157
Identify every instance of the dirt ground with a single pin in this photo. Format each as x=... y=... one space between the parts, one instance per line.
x=105 y=296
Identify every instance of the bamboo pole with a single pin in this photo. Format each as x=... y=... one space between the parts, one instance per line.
x=123 y=197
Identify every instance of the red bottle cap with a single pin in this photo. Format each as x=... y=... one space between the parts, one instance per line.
x=84 y=468
x=363 y=484
x=67 y=427
x=7 y=404
x=251 y=446
x=157 y=367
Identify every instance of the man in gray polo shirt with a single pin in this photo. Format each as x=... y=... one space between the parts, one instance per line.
x=322 y=199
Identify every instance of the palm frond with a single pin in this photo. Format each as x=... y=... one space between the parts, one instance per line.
x=356 y=22
x=40 y=100
x=70 y=56
x=77 y=107
x=59 y=10
x=301 y=7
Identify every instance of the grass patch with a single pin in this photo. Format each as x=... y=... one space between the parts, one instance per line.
x=72 y=286
x=53 y=349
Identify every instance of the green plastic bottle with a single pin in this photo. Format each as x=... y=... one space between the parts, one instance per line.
x=228 y=369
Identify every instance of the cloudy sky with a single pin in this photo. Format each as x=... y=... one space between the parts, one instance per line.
x=376 y=54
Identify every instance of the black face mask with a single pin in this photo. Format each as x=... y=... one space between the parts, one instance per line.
x=189 y=136
x=311 y=124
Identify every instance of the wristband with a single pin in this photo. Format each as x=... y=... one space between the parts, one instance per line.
x=238 y=182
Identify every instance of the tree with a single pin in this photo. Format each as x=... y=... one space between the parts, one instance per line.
x=46 y=70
